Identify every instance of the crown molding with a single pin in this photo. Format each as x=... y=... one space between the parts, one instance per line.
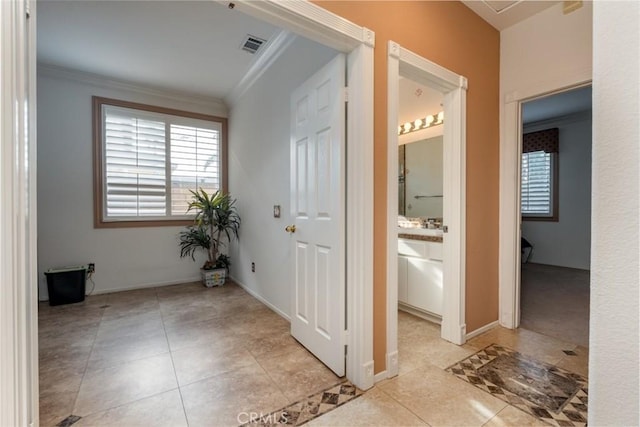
x=55 y=71
x=271 y=53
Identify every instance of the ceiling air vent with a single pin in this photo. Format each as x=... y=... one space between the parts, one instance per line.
x=500 y=6
x=251 y=43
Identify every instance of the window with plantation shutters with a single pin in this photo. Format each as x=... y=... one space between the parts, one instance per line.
x=134 y=165
x=536 y=183
x=195 y=163
x=147 y=159
x=538 y=192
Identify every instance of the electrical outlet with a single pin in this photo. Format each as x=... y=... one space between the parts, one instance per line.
x=92 y=268
x=253 y=267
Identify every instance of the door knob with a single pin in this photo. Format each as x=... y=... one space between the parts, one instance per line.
x=290 y=228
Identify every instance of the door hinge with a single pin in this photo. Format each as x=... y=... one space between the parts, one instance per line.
x=345 y=337
x=346 y=94
x=445 y=228
x=27 y=8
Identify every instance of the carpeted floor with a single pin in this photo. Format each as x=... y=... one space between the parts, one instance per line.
x=554 y=301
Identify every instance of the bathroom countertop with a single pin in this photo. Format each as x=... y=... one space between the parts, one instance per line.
x=437 y=239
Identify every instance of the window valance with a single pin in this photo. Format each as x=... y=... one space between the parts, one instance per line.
x=544 y=140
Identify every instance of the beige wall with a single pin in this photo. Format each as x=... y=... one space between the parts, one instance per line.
x=614 y=377
x=449 y=34
x=548 y=51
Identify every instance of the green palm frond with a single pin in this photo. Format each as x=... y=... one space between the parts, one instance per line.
x=193 y=239
x=216 y=220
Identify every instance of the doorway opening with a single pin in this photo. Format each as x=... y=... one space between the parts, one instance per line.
x=555 y=204
x=420 y=220
x=420 y=199
x=358 y=47
x=426 y=245
x=510 y=255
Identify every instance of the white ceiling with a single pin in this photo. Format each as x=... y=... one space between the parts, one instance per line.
x=417 y=101
x=502 y=14
x=193 y=47
x=561 y=104
x=151 y=42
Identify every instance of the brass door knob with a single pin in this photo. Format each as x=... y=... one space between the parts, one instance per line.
x=290 y=229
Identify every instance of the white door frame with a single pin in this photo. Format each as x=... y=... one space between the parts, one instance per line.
x=454 y=87
x=18 y=222
x=509 y=210
x=357 y=42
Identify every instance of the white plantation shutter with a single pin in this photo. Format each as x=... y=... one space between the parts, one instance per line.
x=195 y=163
x=151 y=160
x=536 y=192
x=135 y=164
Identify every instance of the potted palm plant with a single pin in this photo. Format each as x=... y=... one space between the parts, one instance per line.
x=216 y=221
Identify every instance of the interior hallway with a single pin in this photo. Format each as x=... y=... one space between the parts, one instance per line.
x=424 y=393
x=187 y=355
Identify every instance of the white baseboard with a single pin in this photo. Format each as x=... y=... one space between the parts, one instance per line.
x=262 y=299
x=433 y=318
x=380 y=376
x=139 y=286
x=149 y=285
x=482 y=330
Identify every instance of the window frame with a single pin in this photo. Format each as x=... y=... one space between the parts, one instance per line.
x=553 y=199
x=98 y=161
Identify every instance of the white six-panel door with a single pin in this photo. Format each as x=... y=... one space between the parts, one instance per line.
x=318 y=213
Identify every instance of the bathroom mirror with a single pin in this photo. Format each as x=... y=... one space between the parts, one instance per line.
x=420 y=178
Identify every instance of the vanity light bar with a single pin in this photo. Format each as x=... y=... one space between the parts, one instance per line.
x=423 y=123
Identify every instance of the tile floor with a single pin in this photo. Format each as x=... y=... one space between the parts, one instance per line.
x=552 y=394
x=425 y=394
x=171 y=356
x=187 y=355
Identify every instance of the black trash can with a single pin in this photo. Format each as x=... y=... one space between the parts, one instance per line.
x=66 y=285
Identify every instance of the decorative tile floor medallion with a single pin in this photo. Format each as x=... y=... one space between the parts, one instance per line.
x=552 y=394
x=307 y=409
x=69 y=421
